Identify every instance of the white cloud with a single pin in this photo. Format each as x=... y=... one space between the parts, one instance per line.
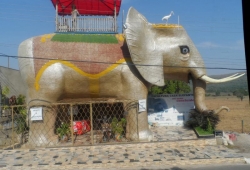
x=238 y=45
x=208 y=45
x=126 y=1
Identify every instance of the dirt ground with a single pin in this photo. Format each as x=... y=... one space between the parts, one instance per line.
x=239 y=110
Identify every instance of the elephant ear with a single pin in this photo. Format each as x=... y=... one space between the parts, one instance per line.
x=142 y=47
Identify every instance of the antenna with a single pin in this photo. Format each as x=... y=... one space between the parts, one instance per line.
x=178 y=22
x=122 y=21
x=0 y=99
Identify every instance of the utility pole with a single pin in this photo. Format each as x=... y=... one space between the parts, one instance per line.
x=122 y=21
x=115 y=29
x=246 y=27
x=0 y=100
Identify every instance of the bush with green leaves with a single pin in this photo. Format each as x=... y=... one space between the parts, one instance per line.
x=5 y=92
x=171 y=87
x=118 y=126
x=19 y=111
x=63 y=130
x=20 y=115
x=207 y=120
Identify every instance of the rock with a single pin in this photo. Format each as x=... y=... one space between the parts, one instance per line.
x=230 y=142
x=225 y=135
x=247 y=160
x=150 y=138
x=155 y=124
x=224 y=141
x=228 y=138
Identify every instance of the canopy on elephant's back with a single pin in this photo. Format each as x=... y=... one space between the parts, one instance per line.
x=88 y=7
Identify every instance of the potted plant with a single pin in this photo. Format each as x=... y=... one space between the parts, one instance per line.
x=63 y=131
x=118 y=127
x=203 y=123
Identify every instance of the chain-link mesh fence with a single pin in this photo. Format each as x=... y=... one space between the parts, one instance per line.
x=13 y=126
x=65 y=124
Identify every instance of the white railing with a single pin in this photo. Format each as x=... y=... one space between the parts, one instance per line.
x=85 y=24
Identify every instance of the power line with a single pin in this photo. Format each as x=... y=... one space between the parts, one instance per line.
x=128 y=63
x=208 y=60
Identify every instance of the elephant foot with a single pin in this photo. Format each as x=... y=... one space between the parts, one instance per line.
x=146 y=135
x=41 y=140
x=42 y=132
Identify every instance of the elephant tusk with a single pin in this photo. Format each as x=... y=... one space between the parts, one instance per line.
x=230 y=78
x=234 y=75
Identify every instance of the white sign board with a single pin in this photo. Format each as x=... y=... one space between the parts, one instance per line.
x=36 y=113
x=169 y=109
x=142 y=105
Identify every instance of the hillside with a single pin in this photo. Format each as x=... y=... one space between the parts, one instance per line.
x=228 y=87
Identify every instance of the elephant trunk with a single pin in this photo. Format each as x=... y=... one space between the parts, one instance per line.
x=199 y=89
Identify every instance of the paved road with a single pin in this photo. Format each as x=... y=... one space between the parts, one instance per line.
x=242 y=143
x=218 y=167
x=172 y=155
x=125 y=156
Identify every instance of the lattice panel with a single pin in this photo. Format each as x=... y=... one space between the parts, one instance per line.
x=69 y=124
x=13 y=126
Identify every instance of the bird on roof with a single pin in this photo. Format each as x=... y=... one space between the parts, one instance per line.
x=167 y=17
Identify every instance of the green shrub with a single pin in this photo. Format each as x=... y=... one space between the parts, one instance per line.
x=87 y=38
x=118 y=126
x=207 y=120
x=63 y=130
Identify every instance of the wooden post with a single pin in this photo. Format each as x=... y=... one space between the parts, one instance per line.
x=242 y=124
x=56 y=17
x=0 y=99
x=72 y=129
x=12 y=134
x=137 y=109
x=91 y=124
x=115 y=29
x=122 y=21
x=178 y=22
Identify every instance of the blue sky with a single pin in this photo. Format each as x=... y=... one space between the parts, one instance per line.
x=215 y=26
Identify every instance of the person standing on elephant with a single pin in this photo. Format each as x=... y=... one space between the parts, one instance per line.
x=74 y=15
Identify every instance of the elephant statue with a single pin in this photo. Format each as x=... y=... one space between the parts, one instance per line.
x=147 y=54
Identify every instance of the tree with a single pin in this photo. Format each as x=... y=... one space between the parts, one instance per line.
x=5 y=91
x=217 y=93
x=240 y=92
x=171 y=87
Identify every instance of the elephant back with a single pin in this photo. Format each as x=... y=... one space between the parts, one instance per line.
x=90 y=53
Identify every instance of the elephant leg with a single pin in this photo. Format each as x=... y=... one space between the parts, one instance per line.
x=137 y=123
x=42 y=132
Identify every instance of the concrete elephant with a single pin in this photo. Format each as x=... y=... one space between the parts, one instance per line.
x=148 y=55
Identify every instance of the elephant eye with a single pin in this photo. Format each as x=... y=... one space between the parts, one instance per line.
x=184 y=49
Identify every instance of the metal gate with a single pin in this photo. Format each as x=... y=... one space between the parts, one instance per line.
x=69 y=124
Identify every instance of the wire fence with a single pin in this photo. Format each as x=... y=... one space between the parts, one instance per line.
x=66 y=124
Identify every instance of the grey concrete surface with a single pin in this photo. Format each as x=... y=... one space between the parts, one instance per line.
x=180 y=150
x=126 y=156
x=243 y=142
